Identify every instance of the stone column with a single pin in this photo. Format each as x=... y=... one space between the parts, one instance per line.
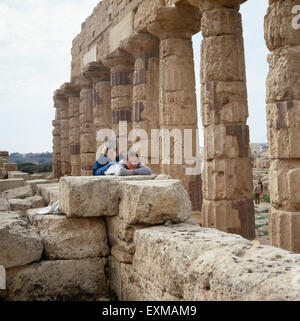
x=227 y=176
x=72 y=91
x=62 y=104
x=56 y=158
x=87 y=131
x=177 y=94
x=121 y=63
x=283 y=118
x=100 y=77
x=145 y=113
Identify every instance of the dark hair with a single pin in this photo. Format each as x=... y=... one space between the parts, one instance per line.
x=132 y=154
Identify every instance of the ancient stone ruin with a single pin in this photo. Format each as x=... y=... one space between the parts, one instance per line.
x=132 y=64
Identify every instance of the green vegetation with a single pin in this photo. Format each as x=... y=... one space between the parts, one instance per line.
x=31 y=168
x=266 y=199
x=35 y=158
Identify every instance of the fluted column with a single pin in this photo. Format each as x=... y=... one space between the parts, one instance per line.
x=87 y=131
x=101 y=92
x=283 y=118
x=121 y=63
x=177 y=94
x=61 y=102
x=72 y=91
x=227 y=176
x=56 y=158
x=145 y=108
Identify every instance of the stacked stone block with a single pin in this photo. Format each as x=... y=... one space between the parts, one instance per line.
x=145 y=109
x=177 y=100
x=121 y=64
x=283 y=116
x=227 y=176
x=62 y=105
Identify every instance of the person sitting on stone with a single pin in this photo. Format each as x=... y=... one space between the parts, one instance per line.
x=104 y=162
x=120 y=167
x=131 y=166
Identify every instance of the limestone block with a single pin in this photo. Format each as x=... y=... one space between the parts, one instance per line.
x=49 y=192
x=10 y=167
x=3 y=173
x=18 y=175
x=76 y=170
x=284 y=229
x=279 y=31
x=20 y=243
x=284 y=75
x=283 y=184
x=6 y=184
x=197 y=216
x=235 y=217
x=226 y=141
x=224 y=102
x=221 y=22
x=283 y=129
x=18 y=193
x=71 y=238
x=154 y=202
x=4 y=205
x=227 y=179
x=121 y=255
x=209 y=265
x=89 y=196
x=222 y=59
x=58 y=281
x=167 y=270
x=38 y=176
x=27 y=203
x=35 y=182
x=87 y=143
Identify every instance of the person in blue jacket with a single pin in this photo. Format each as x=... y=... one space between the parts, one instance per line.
x=120 y=167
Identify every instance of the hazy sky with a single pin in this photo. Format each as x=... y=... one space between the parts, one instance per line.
x=35 y=43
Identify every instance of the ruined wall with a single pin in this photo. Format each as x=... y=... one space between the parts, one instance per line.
x=135 y=238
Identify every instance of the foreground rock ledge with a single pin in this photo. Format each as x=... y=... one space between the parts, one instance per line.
x=185 y=262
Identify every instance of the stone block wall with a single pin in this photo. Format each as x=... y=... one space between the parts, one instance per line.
x=138 y=243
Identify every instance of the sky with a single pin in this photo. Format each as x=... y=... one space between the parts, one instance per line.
x=35 y=58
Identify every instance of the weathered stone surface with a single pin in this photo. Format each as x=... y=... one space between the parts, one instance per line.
x=283 y=129
x=10 y=167
x=35 y=182
x=283 y=183
x=26 y=176
x=76 y=201
x=210 y=265
x=222 y=59
x=284 y=229
x=226 y=141
x=122 y=256
x=20 y=244
x=154 y=202
x=49 y=192
x=4 y=205
x=284 y=75
x=3 y=173
x=224 y=102
x=279 y=31
x=27 y=203
x=6 y=184
x=71 y=238
x=58 y=281
x=18 y=193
